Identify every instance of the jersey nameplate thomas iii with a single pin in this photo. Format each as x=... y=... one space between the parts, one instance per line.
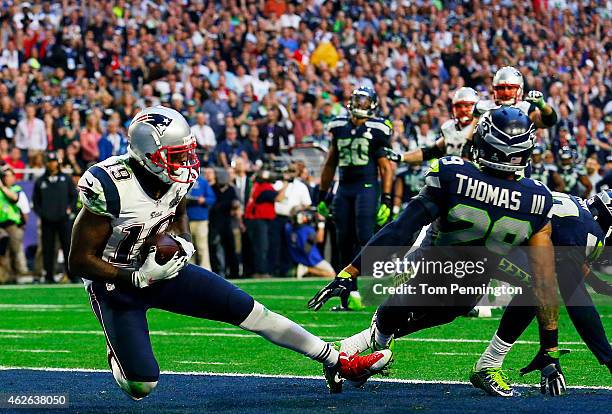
x=478 y=209
x=358 y=148
x=110 y=188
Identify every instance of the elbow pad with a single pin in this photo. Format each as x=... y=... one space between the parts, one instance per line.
x=432 y=152
x=550 y=119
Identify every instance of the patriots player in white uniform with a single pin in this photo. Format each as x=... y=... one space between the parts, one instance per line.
x=129 y=198
x=508 y=87
x=453 y=133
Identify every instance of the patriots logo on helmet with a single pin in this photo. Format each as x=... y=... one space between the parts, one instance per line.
x=158 y=121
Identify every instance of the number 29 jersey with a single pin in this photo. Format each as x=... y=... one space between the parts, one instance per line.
x=358 y=147
x=110 y=188
x=477 y=209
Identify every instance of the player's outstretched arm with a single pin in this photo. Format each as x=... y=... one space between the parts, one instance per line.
x=541 y=254
x=545 y=116
x=401 y=232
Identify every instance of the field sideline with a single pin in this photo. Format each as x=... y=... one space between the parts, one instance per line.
x=53 y=327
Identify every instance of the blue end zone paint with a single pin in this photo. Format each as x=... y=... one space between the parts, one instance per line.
x=97 y=392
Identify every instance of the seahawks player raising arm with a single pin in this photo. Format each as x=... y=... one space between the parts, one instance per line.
x=453 y=133
x=466 y=216
x=129 y=198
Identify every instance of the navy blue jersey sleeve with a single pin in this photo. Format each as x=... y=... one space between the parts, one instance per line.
x=380 y=131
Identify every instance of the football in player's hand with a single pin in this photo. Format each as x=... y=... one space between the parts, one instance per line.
x=166 y=248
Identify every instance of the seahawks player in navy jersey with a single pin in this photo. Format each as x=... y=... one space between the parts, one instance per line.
x=408 y=182
x=129 y=198
x=357 y=149
x=581 y=228
x=575 y=179
x=480 y=204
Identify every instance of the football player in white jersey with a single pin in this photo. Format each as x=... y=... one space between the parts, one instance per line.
x=453 y=133
x=129 y=198
x=508 y=87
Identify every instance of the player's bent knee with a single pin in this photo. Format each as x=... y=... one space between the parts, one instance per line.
x=135 y=389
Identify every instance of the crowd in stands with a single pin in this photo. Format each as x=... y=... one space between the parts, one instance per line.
x=256 y=77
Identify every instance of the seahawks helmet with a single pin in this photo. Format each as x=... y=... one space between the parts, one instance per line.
x=503 y=139
x=600 y=206
x=161 y=141
x=363 y=103
x=508 y=86
x=464 y=114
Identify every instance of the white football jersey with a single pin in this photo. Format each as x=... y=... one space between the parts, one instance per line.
x=110 y=188
x=454 y=136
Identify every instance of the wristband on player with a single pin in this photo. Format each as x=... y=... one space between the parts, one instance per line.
x=324 y=197
x=186 y=236
x=432 y=152
x=549 y=339
x=396 y=209
x=125 y=277
x=550 y=119
x=344 y=275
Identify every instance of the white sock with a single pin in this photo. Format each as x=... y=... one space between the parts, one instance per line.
x=494 y=355
x=288 y=334
x=356 y=343
x=382 y=340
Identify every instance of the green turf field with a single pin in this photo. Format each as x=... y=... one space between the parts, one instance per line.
x=54 y=327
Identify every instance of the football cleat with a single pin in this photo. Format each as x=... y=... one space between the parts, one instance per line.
x=494 y=381
x=332 y=376
x=359 y=368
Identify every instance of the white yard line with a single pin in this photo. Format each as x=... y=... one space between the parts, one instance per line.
x=250 y=335
x=457 y=353
x=282 y=376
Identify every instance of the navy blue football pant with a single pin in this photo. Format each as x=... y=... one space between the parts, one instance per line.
x=354 y=209
x=194 y=292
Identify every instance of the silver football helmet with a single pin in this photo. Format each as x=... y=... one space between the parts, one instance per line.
x=463 y=103
x=161 y=141
x=508 y=86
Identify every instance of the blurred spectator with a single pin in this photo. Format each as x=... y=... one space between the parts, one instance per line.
x=295 y=196
x=31 y=137
x=89 y=137
x=230 y=148
x=259 y=215
x=253 y=146
x=223 y=257
x=273 y=135
x=200 y=199
x=12 y=220
x=54 y=200
x=203 y=133
x=14 y=161
x=303 y=232
x=216 y=110
x=593 y=174
x=8 y=119
x=113 y=142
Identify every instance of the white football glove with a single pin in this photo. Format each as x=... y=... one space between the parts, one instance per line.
x=536 y=98
x=187 y=246
x=151 y=271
